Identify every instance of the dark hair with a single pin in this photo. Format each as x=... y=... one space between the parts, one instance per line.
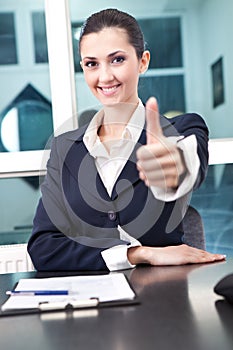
x=115 y=18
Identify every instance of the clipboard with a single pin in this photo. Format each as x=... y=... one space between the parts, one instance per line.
x=109 y=290
x=69 y=309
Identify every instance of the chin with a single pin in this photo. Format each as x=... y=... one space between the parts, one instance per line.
x=110 y=101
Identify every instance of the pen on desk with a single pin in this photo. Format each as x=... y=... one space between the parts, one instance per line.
x=37 y=292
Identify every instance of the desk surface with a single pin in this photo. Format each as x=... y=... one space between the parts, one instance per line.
x=178 y=310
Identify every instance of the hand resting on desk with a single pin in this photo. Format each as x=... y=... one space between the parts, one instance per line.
x=171 y=255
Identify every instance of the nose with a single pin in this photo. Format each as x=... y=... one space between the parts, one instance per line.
x=105 y=74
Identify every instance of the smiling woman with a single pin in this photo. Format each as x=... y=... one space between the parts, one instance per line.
x=116 y=191
x=173 y=31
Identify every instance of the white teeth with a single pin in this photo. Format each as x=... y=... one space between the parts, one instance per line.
x=109 y=89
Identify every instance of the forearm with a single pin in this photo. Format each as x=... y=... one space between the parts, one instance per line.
x=171 y=255
x=55 y=252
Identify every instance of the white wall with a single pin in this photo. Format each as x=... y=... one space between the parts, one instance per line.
x=216 y=27
x=212 y=31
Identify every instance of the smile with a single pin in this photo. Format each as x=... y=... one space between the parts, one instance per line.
x=109 y=90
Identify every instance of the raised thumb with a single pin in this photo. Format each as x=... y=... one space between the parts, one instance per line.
x=153 y=127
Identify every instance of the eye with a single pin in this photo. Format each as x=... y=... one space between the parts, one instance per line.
x=118 y=59
x=90 y=64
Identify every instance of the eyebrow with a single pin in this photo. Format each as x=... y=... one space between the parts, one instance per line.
x=109 y=55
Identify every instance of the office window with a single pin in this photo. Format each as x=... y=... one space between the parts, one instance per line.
x=75 y=27
x=7 y=39
x=162 y=36
x=39 y=36
x=214 y=202
x=26 y=123
x=163 y=39
x=18 y=201
x=168 y=89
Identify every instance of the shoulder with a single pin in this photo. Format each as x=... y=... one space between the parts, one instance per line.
x=62 y=143
x=189 y=123
x=69 y=137
x=188 y=118
x=73 y=135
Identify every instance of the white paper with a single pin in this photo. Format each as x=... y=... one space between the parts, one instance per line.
x=110 y=287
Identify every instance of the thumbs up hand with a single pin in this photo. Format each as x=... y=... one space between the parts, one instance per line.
x=160 y=162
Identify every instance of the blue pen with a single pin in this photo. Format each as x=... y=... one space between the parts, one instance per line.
x=37 y=292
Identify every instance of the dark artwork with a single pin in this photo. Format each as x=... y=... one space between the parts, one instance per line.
x=218 y=82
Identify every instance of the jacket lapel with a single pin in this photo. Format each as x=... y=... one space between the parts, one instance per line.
x=82 y=167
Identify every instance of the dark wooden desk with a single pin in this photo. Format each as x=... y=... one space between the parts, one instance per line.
x=178 y=310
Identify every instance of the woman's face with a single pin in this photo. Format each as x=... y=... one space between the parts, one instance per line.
x=111 y=67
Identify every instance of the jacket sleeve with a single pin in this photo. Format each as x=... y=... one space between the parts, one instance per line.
x=49 y=248
x=193 y=124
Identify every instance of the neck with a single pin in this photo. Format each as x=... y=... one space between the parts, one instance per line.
x=116 y=117
x=119 y=112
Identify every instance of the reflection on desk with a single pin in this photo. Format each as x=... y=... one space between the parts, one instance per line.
x=178 y=310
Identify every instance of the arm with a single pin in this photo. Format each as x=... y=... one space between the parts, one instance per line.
x=162 y=164
x=192 y=125
x=50 y=250
x=54 y=244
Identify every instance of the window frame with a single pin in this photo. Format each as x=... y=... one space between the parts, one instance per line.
x=63 y=96
x=62 y=85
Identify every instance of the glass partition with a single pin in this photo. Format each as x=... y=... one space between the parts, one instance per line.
x=8 y=39
x=26 y=121
x=214 y=202
x=18 y=201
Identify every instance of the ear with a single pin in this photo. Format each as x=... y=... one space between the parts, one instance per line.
x=144 y=62
x=81 y=64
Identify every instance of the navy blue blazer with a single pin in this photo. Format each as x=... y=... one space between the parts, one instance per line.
x=76 y=219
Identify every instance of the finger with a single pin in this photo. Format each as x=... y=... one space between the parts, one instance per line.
x=153 y=127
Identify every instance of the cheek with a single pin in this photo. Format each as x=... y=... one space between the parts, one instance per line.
x=132 y=77
x=90 y=79
x=129 y=75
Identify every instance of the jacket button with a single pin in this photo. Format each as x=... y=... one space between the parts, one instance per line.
x=112 y=215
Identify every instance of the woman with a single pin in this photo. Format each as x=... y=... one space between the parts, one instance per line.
x=116 y=190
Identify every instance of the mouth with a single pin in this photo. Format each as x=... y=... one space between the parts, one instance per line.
x=108 y=90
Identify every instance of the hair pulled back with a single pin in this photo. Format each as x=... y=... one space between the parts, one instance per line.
x=110 y=18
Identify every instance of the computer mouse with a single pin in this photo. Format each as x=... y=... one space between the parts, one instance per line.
x=225 y=287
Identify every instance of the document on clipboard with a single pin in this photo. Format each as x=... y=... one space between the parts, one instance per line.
x=56 y=293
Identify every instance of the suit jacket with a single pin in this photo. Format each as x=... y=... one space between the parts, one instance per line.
x=76 y=219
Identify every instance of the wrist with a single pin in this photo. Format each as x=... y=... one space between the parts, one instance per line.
x=138 y=255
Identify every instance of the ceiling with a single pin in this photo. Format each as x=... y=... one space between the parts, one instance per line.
x=84 y=9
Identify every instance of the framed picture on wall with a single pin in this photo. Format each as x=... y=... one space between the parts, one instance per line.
x=217 y=82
